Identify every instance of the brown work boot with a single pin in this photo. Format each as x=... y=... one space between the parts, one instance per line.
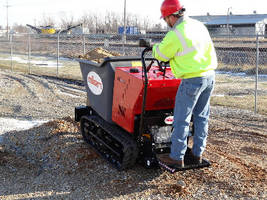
x=165 y=158
x=196 y=159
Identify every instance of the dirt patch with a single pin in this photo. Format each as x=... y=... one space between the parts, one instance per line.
x=25 y=96
x=252 y=150
x=52 y=161
x=98 y=55
x=57 y=148
x=54 y=145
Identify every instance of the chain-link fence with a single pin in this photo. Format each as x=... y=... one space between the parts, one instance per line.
x=241 y=74
x=242 y=71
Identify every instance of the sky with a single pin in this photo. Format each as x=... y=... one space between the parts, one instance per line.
x=32 y=11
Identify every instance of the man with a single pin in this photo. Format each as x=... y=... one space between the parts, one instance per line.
x=191 y=54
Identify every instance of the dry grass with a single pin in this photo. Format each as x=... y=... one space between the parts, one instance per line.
x=241 y=39
x=248 y=69
x=247 y=102
x=71 y=70
x=231 y=91
x=239 y=92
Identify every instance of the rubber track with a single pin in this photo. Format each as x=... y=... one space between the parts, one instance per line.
x=130 y=150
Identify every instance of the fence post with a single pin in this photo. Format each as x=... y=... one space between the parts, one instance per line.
x=83 y=44
x=29 y=52
x=124 y=28
x=123 y=43
x=58 y=51
x=257 y=71
x=11 y=51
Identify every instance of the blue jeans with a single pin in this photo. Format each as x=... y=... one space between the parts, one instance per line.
x=193 y=97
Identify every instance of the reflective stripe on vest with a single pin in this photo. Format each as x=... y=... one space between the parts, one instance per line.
x=186 y=49
x=161 y=54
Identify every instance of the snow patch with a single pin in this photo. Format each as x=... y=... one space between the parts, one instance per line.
x=218 y=95
x=8 y=124
x=39 y=63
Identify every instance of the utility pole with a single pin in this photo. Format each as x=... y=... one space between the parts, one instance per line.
x=7 y=28
x=124 y=28
x=228 y=16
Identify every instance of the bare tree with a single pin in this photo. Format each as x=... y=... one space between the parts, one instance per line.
x=111 y=22
x=66 y=20
x=47 y=21
x=157 y=27
x=97 y=23
x=19 y=28
x=147 y=24
x=87 y=21
x=93 y=22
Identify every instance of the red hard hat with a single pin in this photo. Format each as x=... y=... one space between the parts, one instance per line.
x=169 y=7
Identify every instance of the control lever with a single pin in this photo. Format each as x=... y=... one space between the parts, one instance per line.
x=145 y=42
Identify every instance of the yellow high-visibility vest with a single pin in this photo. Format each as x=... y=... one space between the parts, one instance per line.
x=189 y=49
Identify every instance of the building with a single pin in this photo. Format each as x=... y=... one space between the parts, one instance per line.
x=79 y=30
x=235 y=24
x=129 y=30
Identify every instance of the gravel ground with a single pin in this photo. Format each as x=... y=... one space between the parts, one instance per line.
x=51 y=161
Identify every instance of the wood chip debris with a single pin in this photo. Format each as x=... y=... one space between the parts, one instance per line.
x=98 y=54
